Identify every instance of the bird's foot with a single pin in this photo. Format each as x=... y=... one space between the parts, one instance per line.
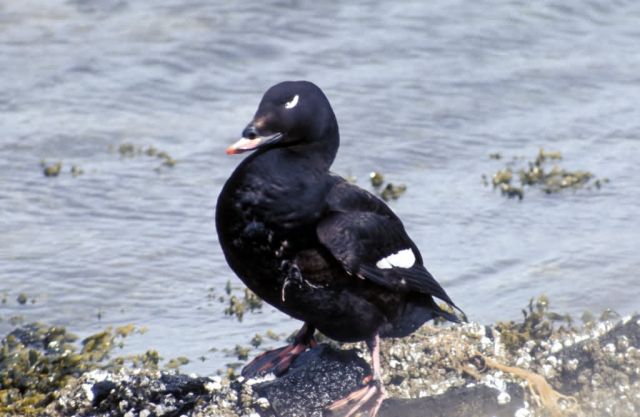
x=366 y=400
x=277 y=361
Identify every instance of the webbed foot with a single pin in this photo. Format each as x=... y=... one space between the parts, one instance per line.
x=364 y=400
x=277 y=361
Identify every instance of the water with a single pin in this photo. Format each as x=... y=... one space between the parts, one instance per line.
x=423 y=91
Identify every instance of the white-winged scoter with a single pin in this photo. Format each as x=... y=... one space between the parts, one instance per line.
x=315 y=246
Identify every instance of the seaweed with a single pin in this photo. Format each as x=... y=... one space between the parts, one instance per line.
x=238 y=306
x=537 y=174
x=51 y=170
x=538 y=324
x=37 y=360
x=129 y=150
x=387 y=192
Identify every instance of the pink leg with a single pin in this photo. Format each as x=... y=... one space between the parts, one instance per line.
x=368 y=398
x=374 y=348
x=277 y=361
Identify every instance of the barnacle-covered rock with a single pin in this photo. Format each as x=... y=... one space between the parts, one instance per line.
x=544 y=365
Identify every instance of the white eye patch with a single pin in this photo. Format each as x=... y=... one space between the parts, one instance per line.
x=291 y=104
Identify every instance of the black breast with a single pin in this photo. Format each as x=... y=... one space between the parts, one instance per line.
x=265 y=217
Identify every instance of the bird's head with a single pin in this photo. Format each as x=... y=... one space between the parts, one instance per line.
x=291 y=114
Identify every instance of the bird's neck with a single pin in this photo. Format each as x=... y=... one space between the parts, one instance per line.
x=319 y=151
x=315 y=155
x=309 y=156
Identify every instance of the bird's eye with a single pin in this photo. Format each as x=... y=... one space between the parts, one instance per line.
x=291 y=103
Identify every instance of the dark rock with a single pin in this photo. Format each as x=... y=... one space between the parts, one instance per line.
x=606 y=357
x=185 y=389
x=478 y=401
x=629 y=329
x=101 y=391
x=317 y=378
x=175 y=394
x=178 y=384
x=29 y=336
x=323 y=375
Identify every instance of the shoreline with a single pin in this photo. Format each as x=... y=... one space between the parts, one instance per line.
x=544 y=365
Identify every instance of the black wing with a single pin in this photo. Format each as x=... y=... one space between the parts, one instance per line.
x=370 y=242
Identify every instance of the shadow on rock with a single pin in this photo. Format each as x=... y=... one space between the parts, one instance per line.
x=323 y=375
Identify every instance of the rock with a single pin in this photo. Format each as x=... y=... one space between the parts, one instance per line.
x=316 y=379
x=324 y=374
x=478 y=400
x=457 y=371
x=101 y=391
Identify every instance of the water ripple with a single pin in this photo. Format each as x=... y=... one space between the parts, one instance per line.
x=423 y=91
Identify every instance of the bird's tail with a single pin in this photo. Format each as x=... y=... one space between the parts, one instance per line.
x=451 y=312
x=416 y=313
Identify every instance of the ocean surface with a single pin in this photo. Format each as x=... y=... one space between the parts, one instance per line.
x=423 y=92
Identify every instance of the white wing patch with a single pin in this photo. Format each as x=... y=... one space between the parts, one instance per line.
x=291 y=104
x=400 y=259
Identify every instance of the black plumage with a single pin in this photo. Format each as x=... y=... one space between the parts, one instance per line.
x=308 y=242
